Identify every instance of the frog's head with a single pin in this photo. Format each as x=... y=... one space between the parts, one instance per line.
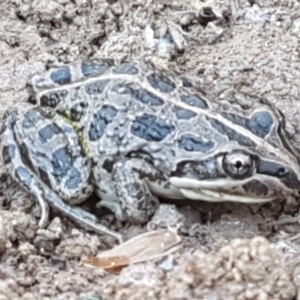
x=255 y=163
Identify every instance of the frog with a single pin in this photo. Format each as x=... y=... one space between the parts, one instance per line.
x=132 y=135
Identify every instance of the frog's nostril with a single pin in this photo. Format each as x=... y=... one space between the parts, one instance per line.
x=282 y=171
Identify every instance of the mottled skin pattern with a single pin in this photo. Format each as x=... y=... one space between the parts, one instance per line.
x=138 y=135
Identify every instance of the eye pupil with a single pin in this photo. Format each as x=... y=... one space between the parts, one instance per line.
x=238 y=165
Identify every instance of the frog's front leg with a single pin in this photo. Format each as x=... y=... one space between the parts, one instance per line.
x=44 y=155
x=134 y=201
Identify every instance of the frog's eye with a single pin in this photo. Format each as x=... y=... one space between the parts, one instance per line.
x=238 y=164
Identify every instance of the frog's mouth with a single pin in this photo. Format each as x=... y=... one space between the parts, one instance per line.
x=226 y=190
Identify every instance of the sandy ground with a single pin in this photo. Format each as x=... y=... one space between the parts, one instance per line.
x=251 y=50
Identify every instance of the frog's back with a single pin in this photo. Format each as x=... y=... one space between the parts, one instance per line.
x=121 y=109
x=125 y=108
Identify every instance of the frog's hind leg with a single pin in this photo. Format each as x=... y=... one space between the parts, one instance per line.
x=15 y=166
x=24 y=176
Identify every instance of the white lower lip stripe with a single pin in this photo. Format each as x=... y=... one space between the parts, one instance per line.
x=211 y=196
x=189 y=183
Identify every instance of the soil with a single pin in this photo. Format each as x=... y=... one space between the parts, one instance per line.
x=235 y=50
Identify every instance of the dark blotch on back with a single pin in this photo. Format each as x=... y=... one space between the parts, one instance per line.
x=94 y=68
x=259 y=124
x=161 y=82
x=151 y=128
x=255 y=187
x=96 y=87
x=194 y=100
x=8 y=153
x=24 y=176
x=101 y=119
x=31 y=118
x=62 y=162
x=61 y=75
x=47 y=132
x=193 y=143
x=230 y=133
x=140 y=94
x=285 y=174
x=51 y=99
x=128 y=69
x=74 y=179
x=184 y=114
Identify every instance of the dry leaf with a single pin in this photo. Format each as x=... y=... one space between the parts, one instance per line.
x=147 y=246
x=112 y=264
